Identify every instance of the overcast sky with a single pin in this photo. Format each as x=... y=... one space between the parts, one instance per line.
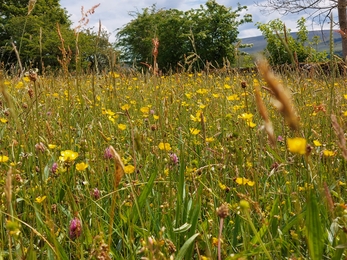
x=114 y=14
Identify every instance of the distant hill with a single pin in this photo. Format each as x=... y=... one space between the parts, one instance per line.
x=259 y=43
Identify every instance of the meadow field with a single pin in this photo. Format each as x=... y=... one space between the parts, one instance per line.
x=185 y=166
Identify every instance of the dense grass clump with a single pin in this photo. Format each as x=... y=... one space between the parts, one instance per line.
x=182 y=166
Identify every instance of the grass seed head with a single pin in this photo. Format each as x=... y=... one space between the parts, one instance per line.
x=31 y=6
x=223 y=210
x=119 y=172
x=281 y=94
x=264 y=114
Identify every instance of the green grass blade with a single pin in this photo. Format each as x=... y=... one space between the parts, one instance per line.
x=193 y=219
x=314 y=232
x=184 y=249
x=270 y=225
x=143 y=196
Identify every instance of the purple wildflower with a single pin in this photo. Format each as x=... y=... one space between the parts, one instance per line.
x=54 y=167
x=174 y=158
x=108 y=154
x=75 y=228
x=96 y=193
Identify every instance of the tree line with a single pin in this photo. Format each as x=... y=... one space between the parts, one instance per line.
x=34 y=33
x=37 y=33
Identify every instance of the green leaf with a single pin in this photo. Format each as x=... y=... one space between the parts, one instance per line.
x=144 y=194
x=185 y=227
x=314 y=232
x=181 y=254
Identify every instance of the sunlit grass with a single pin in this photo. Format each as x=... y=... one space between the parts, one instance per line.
x=188 y=144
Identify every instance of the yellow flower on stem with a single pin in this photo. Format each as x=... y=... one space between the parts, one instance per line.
x=129 y=169
x=81 y=166
x=3 y=158
x=122 y=127
x=233 y=97
x=246 y=116
x=164 y=146
x=251 y=124
x=52 y=146
x=317 y=143
x=144 y=110
x=198 y=117
x=125 y=107
x=297 y=145
x=222 y=186
x=194 y=131
x=68 y=156
x=209 y=139
x=244 y=181
x=40 y=199
x=328 y=153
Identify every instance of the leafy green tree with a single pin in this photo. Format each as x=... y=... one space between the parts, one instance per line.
x=215 y=30
x=135 y=39
x=282 y=48
x=32 y=29
x=210 y=32
x=95 y=51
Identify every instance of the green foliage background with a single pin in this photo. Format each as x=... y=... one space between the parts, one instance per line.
x=208 y=34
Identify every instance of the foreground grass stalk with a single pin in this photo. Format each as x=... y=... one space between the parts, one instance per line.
x=118 y=174
x=245 y=209
x=222 y=212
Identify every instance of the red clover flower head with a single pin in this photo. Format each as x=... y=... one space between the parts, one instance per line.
x=75 y=228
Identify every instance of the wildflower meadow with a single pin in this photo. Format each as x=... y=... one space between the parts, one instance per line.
x=184 y=166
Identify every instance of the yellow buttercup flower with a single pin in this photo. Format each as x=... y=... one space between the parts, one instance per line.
x=222 y=186
x=197 y=117
x=128 y=169
x=328 y=153
x=125 y=107
x=122 y=127
x=246 y=116
x=81 y=166
x=251 y=124
x=164 y=146
x=3 y=158
x=52 y=146
x=114 y=74
x=68 y=156
x=19 y=85
x=297 y=145
x=209 y=139
x=40 y=199
x=244 y=181
x=202 y=91
x=233 y=97
x=144 y=110
x=317 y=143
x=194 y=131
